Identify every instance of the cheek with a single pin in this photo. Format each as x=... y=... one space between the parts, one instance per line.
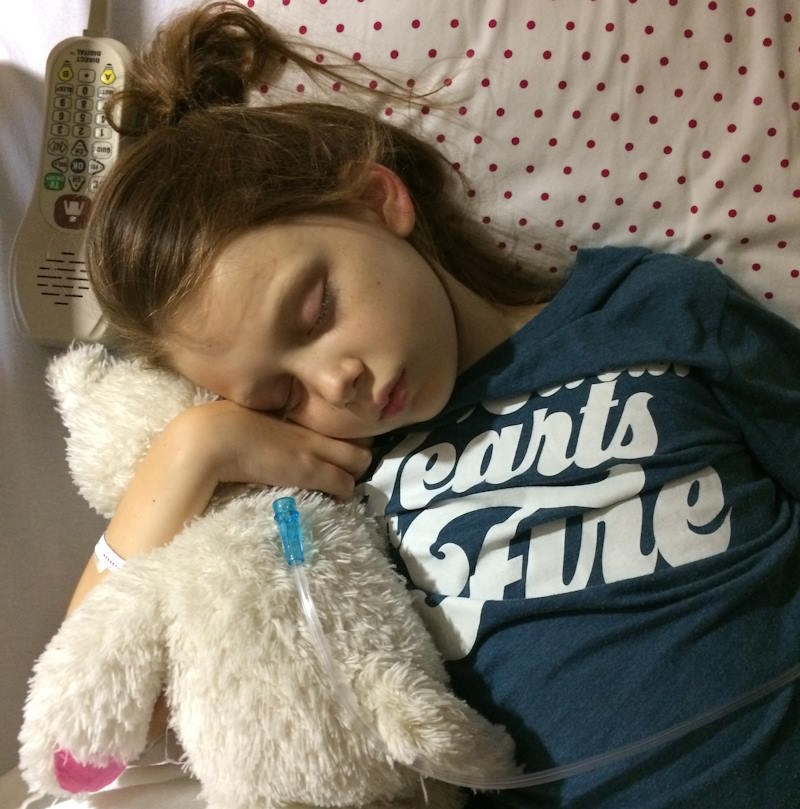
x=414 y=312
x=321 y=419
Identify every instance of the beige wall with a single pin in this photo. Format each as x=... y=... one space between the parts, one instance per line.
x=46 y=530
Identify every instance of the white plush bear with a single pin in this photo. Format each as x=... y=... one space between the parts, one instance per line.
x=214 y=618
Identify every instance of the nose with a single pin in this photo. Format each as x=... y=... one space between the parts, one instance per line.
x=337 y=381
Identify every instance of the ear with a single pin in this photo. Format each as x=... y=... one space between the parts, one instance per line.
x=387 y=196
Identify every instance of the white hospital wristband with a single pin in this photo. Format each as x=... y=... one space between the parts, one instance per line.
x=106 y=557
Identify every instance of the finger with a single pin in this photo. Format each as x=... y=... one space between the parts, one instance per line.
x=330 y=479
x=352 y=457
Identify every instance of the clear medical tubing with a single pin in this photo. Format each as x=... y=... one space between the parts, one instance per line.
x=286 y=516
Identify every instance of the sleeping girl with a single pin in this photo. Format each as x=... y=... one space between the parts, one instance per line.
x=591 y=486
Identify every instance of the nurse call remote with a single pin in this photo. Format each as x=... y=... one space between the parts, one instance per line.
x=51 y=298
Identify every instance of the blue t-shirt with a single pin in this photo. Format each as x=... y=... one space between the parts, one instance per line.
x=602 y=530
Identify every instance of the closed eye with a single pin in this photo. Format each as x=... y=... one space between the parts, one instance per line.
x=319 y=311
x=323 y=307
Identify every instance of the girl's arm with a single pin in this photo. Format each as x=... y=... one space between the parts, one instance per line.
x=173 y=483
x=202 y=447
x=210 y=444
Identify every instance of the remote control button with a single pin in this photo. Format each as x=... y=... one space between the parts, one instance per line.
x=82 y=141
x=72 y=211
x=56 y=146
x=53 y=181
x=101 y=149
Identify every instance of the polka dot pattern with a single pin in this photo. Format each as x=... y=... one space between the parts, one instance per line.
x=675 y=125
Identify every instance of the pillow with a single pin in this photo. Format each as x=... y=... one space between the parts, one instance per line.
x=670 y=125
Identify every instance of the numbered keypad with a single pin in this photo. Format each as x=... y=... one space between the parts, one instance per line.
x=79 y=143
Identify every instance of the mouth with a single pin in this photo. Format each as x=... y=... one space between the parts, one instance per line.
x=394 y=397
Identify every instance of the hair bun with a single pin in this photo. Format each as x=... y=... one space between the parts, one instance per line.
x=202 y=58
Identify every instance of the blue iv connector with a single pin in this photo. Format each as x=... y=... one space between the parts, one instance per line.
x=289 y=525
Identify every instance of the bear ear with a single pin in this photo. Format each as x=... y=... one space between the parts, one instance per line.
x=70 y=375
x=112 y=407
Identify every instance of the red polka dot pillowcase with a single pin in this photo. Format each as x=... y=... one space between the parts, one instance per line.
x=672 y=124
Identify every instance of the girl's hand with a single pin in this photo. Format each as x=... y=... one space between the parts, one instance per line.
x=248 y=446
x=210 y=444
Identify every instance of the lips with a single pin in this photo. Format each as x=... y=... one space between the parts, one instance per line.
x=394 y=397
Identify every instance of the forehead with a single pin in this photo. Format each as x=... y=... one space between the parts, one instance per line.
x=293 y=232
x=276 y=245
x=251 y=269
x=240 y=275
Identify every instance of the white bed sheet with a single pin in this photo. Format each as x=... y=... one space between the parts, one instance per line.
x=156 y=781
x=164 y=786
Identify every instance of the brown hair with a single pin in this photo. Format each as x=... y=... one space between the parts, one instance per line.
x=203 y=166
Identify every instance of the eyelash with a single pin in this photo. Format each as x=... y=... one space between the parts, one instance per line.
x=325 y=308
x=323 y=316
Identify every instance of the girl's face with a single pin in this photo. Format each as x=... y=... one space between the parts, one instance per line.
x=336 y=323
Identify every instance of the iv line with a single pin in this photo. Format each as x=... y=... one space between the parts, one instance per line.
x=288 y=522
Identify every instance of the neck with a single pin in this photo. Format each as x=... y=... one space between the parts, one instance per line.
x=480 y=324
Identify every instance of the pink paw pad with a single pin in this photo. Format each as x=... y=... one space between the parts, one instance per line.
x=76 y=777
